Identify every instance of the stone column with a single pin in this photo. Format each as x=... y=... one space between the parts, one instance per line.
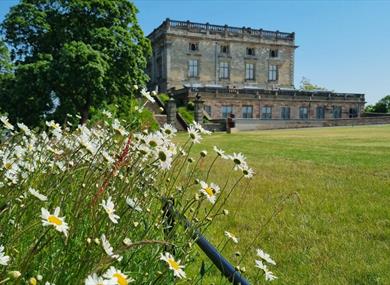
x=171 y=112
x=198 y=109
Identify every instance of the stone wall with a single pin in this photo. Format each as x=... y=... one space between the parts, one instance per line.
x=253 y=124
x=215 y=102
x=171 y=54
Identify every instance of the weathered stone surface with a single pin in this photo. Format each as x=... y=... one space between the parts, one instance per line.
x=171 y=54
x=176 y=43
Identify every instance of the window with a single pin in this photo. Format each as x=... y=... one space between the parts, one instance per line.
x=250 y=51
x=249 y=71
x=273 y=53
x=159 y=69
x=223 y=70
x=207 y=109
x=353 y=112
x=336 y=112
x=193 y=46
x=303 y=113
x=226 y=111
x=285 y=113
x=273 y=73
x=224 y=49
x=193 y=68
x=320 y=113
x=266 y=113
x=247 y=111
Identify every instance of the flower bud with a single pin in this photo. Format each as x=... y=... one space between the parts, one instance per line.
x=14 y=274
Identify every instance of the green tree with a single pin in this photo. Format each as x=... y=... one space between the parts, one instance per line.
x=80 y=53
x=5 y=60
x=306 y=85
x=382 y=106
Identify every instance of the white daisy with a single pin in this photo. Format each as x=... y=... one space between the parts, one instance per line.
x=109 y=208
x=117 y=276
x=24 y=128
x=54 y=220
x=164 y=158
x=116 y=125
x=168 y=130
x=231 y=236
x=37 y=195
x=133 y=203
x=147 y=95
x=107 y=114
x=210 y=191
x=200 y=129
x=194 y=134
x=96 y=280
x=108 y=248
x=247 y=172
x=265 y=256
x=268 y=275
x=4 y=259
x=220 y=152
x=239 y=161
x=173 y=265
x=7 y=124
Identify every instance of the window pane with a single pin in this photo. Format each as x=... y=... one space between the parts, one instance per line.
x=266 y=113
x=193 y=68
x=285 y=113
x=226 y=111
x=272 y=73
x=303 y=113
x=223 y=70
x=247 y=111
x=249 y=71
x=320 y=113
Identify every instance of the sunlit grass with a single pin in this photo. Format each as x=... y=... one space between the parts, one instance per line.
x=332 y=187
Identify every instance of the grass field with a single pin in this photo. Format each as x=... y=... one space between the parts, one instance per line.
x=333 y=188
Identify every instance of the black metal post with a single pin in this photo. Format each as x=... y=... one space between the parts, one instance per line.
x=220 y=262
x=212 y=253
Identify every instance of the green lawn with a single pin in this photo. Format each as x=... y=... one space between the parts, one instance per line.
x=336 y=228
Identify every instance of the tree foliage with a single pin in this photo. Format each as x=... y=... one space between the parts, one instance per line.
x=75 y=54
x=382 y=106
x=306 y=85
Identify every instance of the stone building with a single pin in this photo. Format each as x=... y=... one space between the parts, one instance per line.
x=242 y=71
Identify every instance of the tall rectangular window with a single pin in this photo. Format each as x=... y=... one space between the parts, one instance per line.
x=224 y=49
x=285 y=113
x=250 y=51
x=353 y=112
x=193 y=46
x=207 y=109
x=226 y=111
x=247 y=111
x=223 y=70
x=249 y=71
x=320 y=113
x=273 y=53
x=266 y=113
x=273 y=73
x=303 y=113
x=336 y=112
x=193 y=68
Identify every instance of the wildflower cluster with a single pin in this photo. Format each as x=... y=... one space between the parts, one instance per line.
x=89 y=205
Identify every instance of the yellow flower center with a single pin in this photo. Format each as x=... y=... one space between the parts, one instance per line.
x=209 y=191
x=173 y=264
x=121 y=280
x=55 y=220
x=7 y=165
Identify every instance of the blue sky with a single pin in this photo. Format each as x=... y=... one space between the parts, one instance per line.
x=343 y=45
